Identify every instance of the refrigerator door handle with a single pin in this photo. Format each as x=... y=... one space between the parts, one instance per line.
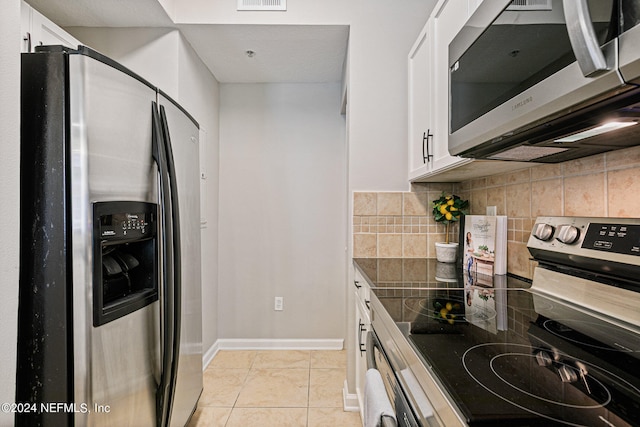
x=177 y=253
x=165 y=387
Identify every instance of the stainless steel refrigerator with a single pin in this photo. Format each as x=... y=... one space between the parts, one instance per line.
x=110 y=323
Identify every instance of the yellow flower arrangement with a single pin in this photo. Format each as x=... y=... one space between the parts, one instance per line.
x=448 y=209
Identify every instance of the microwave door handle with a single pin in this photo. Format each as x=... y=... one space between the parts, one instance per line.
x=583 y=38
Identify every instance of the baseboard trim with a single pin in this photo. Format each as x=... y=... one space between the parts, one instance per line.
x=208 y=356
x=349 y=400
x=279 y=344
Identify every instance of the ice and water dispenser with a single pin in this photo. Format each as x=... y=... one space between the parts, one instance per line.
x=125 y=249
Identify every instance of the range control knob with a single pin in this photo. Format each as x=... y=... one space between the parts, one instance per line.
x=542 y=231
x=568 y=234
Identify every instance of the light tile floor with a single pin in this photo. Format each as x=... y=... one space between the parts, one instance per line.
x=274 y=388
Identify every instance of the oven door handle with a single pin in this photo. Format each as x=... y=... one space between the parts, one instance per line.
x=372 y=341
x=583 y=38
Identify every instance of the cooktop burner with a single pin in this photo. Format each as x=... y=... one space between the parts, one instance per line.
x=512 y=357
x=564 y=389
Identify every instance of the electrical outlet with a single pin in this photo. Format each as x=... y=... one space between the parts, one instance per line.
x=278 y=304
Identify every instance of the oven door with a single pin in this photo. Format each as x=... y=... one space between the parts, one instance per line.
x=377 y=359
x=512 y=70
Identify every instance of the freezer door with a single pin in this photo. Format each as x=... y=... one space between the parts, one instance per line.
x=184 y=133
x=116 y=365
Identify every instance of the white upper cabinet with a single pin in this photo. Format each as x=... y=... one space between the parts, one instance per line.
x=448 y=21
x=421 y=117
x=429 y=101
x=429 y=93
x=37 y=30
x=25 y=26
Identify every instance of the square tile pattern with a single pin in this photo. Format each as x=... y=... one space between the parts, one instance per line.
x=274 y=388
x=400 y=224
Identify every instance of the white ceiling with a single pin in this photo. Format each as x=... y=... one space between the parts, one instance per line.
x=283 y=53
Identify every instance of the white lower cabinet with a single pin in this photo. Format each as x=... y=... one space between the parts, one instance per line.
x=362 y=327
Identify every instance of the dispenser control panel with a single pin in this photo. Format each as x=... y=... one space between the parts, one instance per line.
x=128 y=224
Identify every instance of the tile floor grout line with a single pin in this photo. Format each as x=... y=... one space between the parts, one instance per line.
x=311 y=413
x=244 y=383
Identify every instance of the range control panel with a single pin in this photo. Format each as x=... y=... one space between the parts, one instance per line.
x=611 y=239
x=618 y=238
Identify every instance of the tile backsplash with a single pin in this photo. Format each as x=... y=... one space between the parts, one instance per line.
x=399 y=224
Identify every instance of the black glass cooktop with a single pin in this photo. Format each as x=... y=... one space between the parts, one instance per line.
x=508 y=356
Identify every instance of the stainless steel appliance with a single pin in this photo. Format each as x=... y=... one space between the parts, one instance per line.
x=550 y=84
x=109 y=329
x=562 y=350
x=379 y=358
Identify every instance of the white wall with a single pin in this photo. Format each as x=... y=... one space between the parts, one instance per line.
x=282 y=211
x=164 y=58
x=381 y=35
x=10 y=196
x=150 y=52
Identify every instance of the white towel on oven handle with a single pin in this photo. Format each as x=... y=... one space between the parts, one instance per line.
x=376 y=402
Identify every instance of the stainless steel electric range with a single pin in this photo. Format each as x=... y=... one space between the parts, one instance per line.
x=470 y=350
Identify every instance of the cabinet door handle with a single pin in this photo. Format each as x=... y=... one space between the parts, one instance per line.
x=361 y=328
x=367 y=303
x=357 y=284
x=426 y=155
x=27 y=39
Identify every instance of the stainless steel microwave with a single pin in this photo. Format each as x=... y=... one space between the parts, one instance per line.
x=545 y=80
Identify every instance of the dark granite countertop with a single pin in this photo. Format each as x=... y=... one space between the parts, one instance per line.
x=476 y=348
x=414 y=273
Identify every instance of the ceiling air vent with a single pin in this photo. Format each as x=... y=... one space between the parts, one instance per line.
x=530 y=5
x=262 y=4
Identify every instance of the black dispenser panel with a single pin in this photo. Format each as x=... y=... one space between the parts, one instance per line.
x=125 y=249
